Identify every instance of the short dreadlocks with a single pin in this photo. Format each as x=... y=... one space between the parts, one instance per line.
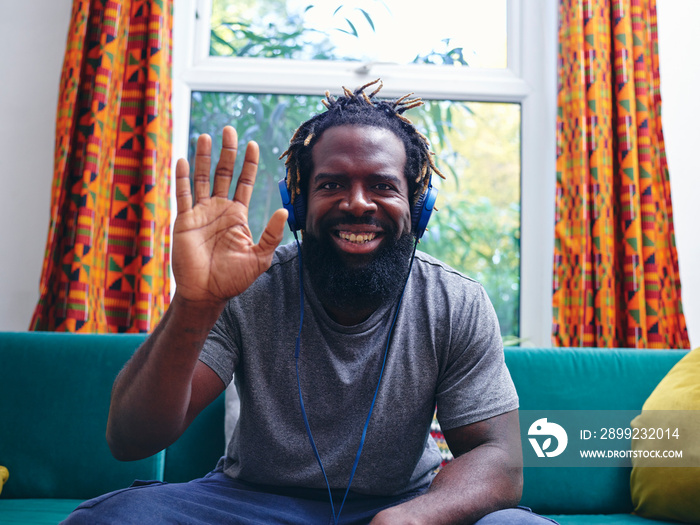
x=359 y=108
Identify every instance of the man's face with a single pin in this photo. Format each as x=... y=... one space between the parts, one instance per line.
x=358 y=240
x=358 y=197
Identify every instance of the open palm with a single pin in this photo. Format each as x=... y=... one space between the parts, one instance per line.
x=214 y=255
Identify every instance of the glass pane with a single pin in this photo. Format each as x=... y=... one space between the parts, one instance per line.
x=448 y=32
x=269 y=120
x=477 y=226
x=476 y=229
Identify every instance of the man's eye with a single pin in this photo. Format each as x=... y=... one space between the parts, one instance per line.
x=330 y=186
x=384 y=187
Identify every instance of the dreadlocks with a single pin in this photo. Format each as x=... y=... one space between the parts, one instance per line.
x=359 y=108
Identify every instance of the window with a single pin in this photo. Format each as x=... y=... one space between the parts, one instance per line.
x=367 y=31
x=263 y=65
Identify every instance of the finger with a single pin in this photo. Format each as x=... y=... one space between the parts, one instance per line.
x=246 y=181
x=183 y=193
x=274 y=231
x=224 y=168
x=202 y=166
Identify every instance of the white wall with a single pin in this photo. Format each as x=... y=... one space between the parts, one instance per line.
x=31 y=62
x=680 y=80
x=33 y=41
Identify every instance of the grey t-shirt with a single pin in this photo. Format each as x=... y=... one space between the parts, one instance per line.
x=445 y=349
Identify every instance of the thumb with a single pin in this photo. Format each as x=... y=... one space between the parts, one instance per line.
x=274 y=231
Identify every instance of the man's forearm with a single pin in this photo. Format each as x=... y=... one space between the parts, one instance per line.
x=152 y=396
x=481 y=481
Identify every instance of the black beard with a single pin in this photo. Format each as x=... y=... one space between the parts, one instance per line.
x=367 y=285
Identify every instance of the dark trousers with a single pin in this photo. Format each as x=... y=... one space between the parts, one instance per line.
x=218 y=499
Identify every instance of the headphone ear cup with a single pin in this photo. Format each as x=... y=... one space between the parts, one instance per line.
x=296 y=212
x=300 y=211
x=416 y=212
x=287 y=204
x=422 y=211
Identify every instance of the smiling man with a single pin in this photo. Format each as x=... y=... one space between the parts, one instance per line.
x=358 y=240
x=340 y=347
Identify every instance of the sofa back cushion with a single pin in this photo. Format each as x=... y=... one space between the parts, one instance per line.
x=583 y=379
x=54 y=398
x=198 y=450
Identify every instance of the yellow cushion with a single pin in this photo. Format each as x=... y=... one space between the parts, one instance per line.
x=4 y=474
x=670 y=490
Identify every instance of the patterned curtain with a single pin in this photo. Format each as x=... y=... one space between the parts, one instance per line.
x=616 y=279
x=106 y=267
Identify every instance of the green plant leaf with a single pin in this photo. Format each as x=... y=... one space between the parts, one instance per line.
x=368 y=18
x=353 y=30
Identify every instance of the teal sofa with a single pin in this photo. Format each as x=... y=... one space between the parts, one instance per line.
x=54 y=397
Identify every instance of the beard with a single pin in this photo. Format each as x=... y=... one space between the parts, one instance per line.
x=368 y=283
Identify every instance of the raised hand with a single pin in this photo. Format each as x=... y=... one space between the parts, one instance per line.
x=214 y=256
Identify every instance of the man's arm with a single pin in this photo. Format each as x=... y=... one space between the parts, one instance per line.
x=164 y=385
x=485 y=476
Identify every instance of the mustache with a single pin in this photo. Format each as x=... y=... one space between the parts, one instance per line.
x=354 y=220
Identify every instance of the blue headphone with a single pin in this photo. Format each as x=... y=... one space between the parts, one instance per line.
x=420 y=214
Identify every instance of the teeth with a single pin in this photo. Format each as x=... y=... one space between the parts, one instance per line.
x=357 y=238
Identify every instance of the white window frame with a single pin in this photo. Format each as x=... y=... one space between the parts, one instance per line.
x=529 y=80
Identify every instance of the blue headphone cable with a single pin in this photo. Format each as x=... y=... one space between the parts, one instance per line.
x=336 y=517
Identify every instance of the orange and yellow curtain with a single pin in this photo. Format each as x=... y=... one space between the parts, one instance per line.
x=616 y=279
x=106 y=266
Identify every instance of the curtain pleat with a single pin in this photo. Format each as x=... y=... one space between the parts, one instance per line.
x=106 y=265
x=616 y=278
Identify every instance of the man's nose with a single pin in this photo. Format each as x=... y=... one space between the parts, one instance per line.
x=358 y=201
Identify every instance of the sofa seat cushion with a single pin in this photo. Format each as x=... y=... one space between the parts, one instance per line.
x=583 y=379
x=602 y=519
x=36 y=511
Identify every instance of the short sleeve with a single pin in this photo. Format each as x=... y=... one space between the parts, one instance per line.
x=220 y=351
x=476 y=384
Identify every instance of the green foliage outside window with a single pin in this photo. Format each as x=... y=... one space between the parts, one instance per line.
x=269 y=29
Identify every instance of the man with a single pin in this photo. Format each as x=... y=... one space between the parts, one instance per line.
x=340 y=349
